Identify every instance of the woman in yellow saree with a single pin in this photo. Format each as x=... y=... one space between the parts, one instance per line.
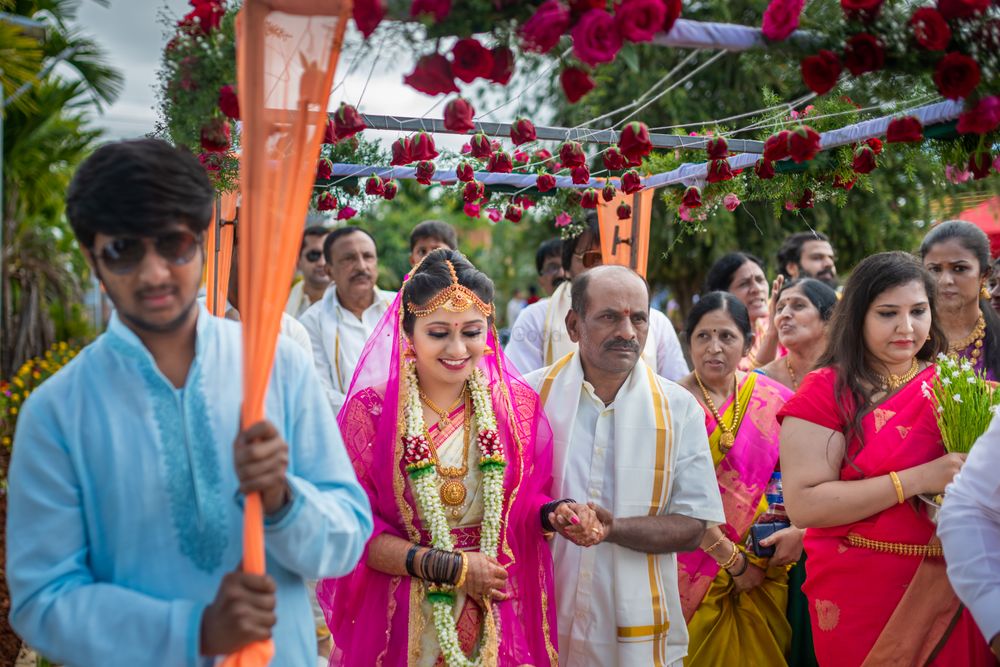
x=733 y=601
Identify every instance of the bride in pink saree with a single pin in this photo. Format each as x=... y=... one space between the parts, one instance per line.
x=458 y=571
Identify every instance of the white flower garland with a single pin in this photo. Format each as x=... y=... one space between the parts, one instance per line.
x=421 y=469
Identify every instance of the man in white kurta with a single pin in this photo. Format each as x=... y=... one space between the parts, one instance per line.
x=340 y=323
x=634 y=443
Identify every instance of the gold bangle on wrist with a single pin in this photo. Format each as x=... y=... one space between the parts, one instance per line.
x=898 y=485
x=465 y=570
x=715 y=545
x=732 y=559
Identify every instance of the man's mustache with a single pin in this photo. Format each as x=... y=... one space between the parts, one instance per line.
x=361 y=274
x=622 y=344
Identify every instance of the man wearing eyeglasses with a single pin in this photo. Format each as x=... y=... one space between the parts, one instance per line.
x=129 y=467
x=312 y=267
x=539 y=337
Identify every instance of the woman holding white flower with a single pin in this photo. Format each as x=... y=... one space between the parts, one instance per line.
x=455 y=455
x=858 y=441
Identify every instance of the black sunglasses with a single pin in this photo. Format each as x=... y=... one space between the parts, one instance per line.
x=314 y=255
x=123 y=254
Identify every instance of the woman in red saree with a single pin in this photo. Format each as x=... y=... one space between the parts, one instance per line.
x=859 y=441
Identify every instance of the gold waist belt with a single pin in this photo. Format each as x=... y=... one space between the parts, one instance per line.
x=899 y=548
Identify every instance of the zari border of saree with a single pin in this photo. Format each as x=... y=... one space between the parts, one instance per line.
x=549 y=648
x=504 y=545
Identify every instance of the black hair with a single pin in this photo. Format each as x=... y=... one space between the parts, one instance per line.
x=720 y=276
x=578 y=289
x=434 y=229
x=339 y=233
x=846 y=352
x=592 y=231
x=137 y=188
x=549 y=248
x=727 y=303
x=312 y=230
x=973 y=239
x=820 y=295
x=790 y=251
x=432 y=275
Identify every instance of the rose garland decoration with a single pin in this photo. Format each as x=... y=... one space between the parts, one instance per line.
x=422 y=471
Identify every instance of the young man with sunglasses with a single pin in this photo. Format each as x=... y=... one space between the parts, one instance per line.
x=312 y=268
x=539 y=337
x=129 y=467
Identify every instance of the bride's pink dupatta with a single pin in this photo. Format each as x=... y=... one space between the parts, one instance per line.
x=375 y=618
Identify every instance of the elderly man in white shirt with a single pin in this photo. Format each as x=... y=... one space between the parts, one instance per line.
x=538 y=338
x=969 y=528
x=340 y=323
x=312 y=267
x=632 y=445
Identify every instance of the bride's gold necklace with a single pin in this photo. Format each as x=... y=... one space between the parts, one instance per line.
x=453 y=491
x=728 y=436
x=444 y=421
x=893 y=382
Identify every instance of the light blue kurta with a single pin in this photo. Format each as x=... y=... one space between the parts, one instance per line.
x=124 y=513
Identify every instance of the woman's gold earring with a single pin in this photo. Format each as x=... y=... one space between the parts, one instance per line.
x=984 y=293
x=488 y=352
x=409 y=353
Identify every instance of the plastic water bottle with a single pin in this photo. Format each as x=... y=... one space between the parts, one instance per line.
x=775 y=499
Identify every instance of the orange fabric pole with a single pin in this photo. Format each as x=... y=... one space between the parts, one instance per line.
x=637 y=235
x=287 y=53
x=219 y=256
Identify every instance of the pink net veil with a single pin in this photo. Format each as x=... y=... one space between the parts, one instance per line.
x=369 y=612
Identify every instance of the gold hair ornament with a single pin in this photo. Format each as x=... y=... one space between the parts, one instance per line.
x=454 y=298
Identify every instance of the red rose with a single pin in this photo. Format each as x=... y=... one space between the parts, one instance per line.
x=500 y=163
x=639 y=20
x=864 y=160
x=838 y=182
x=980 y=164
x=522 y=131
x=613 y=159
x=717 y=148
x=432 y=75
x=576 y=83
x=608 y=192
x=821 y=71
x=330 y=133
x=631 y=182
x=367 y=15
x=215 y=135
x=595 y=38
x=673 y=13
x=520 y=158
x=545 y=182
x=861 y=9
x=425 y=172
x=776 y=146
x=692 y=197
x=930 y=29
x=458 y=115
x=346 y=213
x=229 y=103
x=324 y=169
x=401 y=152
x=471 y=210
x=514 y=213
x=542 y=31
x=956 y=75
x=471 y=60
x=863 y=53
x=904 y=129
x=807 y=200
x=347 y=121
x=624 y=211
x=781 y=18
x=589 y=199
x=581 y=174
x=374 y=185
x=542 y=155
x=482 y=147
x=503 y=65
x=960 y=9
x=803 y=143
x=326 y=201
x=571 y=153
x=473 y=191
x=464 y=172
x=524 y=202
x=207 y=16
x=439 y=9
x=719 y=171
x=389 y=191
x=422 y=147
x=634 y=142
x=764 y=169
x=982 y=118
x=874 y=144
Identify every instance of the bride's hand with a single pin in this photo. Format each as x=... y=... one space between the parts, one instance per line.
x=578 y=524
x=485 y=577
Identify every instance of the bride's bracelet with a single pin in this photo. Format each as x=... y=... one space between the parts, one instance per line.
x=441 y=567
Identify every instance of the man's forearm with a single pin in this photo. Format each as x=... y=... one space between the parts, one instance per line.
x=657 y=534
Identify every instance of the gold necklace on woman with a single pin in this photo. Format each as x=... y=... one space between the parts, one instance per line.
x=453 y=490
x=444 y=420
x=791 y=373
x=728 y=436
x=974 y=339
x=894 y=382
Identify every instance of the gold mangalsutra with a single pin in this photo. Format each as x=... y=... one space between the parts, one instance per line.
x=728 y=436
x=894 y=382
x=791 y=373
x=453 y=491
x=974 y=340
x=444 y=420
x=454 y=298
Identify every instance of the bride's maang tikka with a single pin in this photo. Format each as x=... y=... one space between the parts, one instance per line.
x=454 y=298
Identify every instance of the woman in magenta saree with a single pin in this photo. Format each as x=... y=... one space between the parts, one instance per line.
x=859 y=441
x=455 y=604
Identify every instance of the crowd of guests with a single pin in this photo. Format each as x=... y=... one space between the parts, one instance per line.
x=593 y=494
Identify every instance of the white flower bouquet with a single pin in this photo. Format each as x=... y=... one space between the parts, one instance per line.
x=965 y=401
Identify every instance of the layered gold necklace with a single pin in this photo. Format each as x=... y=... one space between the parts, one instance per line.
x=728 y=436
x=444 y=421
x=893 y=382
x=974 y=339
x=453 y=491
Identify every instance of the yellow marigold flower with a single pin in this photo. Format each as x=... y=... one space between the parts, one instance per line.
x=13 y=410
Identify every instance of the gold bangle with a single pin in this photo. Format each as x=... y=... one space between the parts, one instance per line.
x=465 y=569
x=712 y=548
x=732 y=559
x=898 y=485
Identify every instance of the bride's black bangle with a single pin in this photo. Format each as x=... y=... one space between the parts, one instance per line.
x=547 y=509
x=409 y=560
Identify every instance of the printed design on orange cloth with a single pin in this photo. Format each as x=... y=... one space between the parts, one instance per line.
x=468 y=628
x=827 y=615
x=764 y=419
x=903 y=431
x=882 y=417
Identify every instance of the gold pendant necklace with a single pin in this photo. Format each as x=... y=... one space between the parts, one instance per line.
x=453 y=491
x=728 y=436
x=444 y=421
x=791 y=373
x=974 y=339
x=894 y=382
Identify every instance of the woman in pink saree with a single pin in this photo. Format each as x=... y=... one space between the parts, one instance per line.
x=457 y=571
x=859 y=441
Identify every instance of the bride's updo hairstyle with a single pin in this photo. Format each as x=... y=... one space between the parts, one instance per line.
x=434 y=275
